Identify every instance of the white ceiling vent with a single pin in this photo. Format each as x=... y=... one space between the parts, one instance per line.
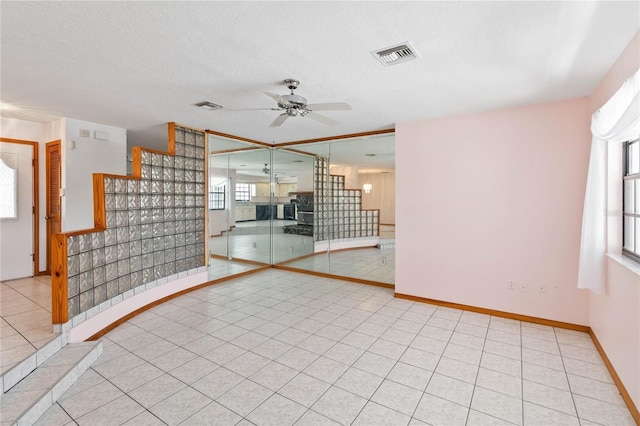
x=396 y=54
x=208 y=105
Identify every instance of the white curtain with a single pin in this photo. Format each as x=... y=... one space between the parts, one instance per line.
x=617 y=121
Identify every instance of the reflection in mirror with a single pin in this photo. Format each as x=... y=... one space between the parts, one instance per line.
x=237 y=242
x=354 y=209
x=292 y=187
x=325 y=208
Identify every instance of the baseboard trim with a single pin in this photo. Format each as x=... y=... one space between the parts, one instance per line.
x=496 y=313
x=616 y=379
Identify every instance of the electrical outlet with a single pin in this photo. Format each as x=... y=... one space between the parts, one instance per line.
x=291 y=249
x=541 y=288
x=255 y=244
x=523 y=287
x=512 y=285
x=384 y=260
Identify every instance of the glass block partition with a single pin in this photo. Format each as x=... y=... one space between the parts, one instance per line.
x=338 y=211
x=149 y=227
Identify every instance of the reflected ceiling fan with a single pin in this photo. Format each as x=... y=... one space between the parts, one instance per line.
x=294 y=105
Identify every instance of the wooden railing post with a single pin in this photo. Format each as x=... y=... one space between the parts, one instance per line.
x=59 y=292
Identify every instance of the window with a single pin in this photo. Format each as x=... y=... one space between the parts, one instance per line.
x=217 y=197
x=631 y=200
x=8 y=186
x=244 y=191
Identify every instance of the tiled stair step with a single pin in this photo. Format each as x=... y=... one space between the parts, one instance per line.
x=25 y=402
x=21 y=369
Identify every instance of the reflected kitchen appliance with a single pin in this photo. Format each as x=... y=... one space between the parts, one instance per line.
x=304 y=206
x=290 y=211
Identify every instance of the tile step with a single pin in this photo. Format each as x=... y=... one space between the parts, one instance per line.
x=22 y=369
x=27 y=400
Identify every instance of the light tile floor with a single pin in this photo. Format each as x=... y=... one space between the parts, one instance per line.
x=25 y=318
x=281 y=348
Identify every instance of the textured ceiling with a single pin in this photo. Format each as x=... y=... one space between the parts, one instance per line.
x=138 y=65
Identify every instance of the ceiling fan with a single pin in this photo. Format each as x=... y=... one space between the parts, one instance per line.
x=294 y=105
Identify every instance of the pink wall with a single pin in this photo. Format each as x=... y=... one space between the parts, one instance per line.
x=614 y=316
x=489 y=198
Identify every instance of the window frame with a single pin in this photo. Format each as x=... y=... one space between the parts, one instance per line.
x=626 y=176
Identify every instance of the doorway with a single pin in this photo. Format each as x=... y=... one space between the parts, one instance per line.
x=18 y=208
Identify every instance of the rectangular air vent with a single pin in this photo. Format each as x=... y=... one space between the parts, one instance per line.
x=208 y=105
x=395 y=54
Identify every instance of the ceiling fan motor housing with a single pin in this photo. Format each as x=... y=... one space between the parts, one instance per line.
x=294 y=101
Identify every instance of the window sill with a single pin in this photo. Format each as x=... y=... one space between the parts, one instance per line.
x=631 y=265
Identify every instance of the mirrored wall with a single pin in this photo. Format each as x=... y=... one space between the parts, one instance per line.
x=326 y=207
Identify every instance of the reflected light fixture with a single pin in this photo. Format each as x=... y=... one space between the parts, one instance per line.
x=367 y=187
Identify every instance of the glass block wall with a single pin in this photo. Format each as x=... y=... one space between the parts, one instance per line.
x=338 y=211
x=155 y=227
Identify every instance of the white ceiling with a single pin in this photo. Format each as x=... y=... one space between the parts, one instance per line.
x=138 y=65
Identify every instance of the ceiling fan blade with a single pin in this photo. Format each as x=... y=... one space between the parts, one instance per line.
x=279 y=99
x=332 y=106
x=321 y=118
x=253 y=109
x=279 y=120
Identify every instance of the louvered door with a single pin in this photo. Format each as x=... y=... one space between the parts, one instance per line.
x=54 y=201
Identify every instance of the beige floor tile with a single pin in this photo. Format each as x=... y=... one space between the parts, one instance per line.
x=280 y=327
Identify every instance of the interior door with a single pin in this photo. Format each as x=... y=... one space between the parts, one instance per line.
x=16 y=210
x=54 y=202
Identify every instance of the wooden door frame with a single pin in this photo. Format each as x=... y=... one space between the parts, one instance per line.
x=46 y=185
x=36 y=203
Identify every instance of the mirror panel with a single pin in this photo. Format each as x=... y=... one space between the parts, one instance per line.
x=354 y=229
x=292 y=183
x=250 y=235
x=324 y=207
x=238 y=241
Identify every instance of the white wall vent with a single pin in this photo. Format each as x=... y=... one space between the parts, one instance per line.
x=396 y=54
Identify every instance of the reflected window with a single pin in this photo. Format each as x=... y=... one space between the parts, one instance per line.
x=244 y=191
x=217 y=197
x=217 y=193
x=8 y=186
